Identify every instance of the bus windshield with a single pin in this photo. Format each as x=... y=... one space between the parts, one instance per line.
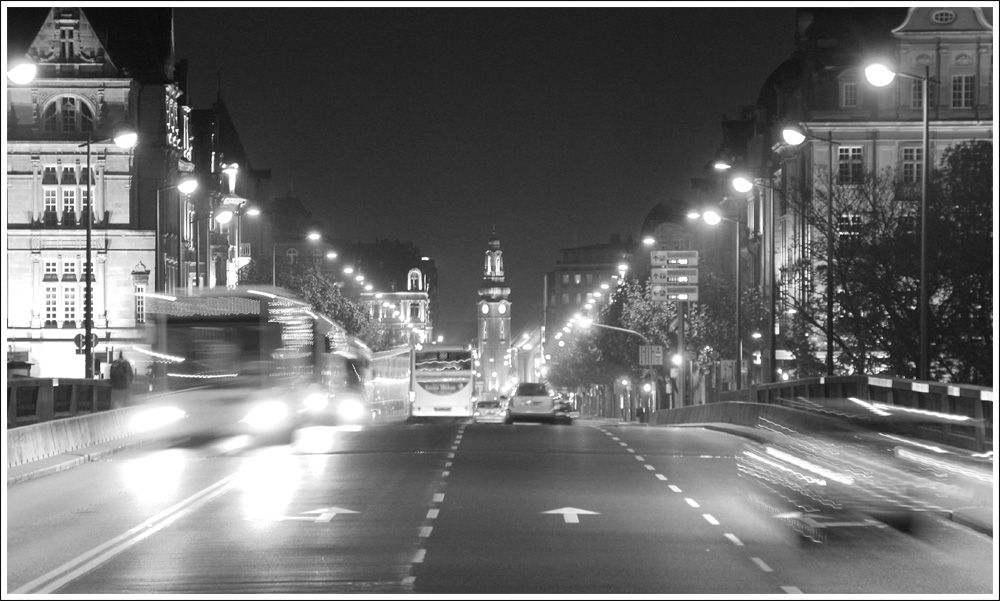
x=215 y=351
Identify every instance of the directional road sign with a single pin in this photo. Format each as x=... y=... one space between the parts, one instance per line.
x=673 y=258
x=651 y=354
x=675 y=293
x=674 y=276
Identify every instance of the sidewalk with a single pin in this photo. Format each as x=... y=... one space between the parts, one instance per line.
x=64 y=461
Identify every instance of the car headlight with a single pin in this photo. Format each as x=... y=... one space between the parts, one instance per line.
x=151 y=419
x=350 y=409
x=266 y=415
x=316 y=401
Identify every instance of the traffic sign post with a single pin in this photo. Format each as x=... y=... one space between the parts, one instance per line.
x=674 y=258
x=674 y=278
x=650 y=354
x=80 y=342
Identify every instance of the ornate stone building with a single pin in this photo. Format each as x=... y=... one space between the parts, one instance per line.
x=494 y=335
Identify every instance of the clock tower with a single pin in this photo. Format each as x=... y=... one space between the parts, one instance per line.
x=494 y=324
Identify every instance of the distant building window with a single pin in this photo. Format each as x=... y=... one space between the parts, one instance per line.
x=962 y=91
x=50 y=200
x=140 y=304
x=943 y=16
x=576 y=278
x=69 y=201
x=67 y=114
x=849 y=94
x=69 y=303
x=565 y=298
x=590 y=278
x=578 y=298
x=850 y=165
x=565 y=278
x=917 y=94
x=51 y=304
x=51 y=268
x=292 y=255
x=913 y=164
x=317 y=256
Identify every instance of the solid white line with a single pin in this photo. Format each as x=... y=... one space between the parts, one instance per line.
x=80 y=565
x=432 y=513
x=692 y=502
x=711 y=520
x=419 y=557
x=735 y=540
x=674 y=487
x=438 y=497
x=791 y=590
x=661 y=477
x=760 y=563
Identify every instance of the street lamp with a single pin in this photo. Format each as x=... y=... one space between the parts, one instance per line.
x=795 y=135
x=714 y=218
x=186 y=185
x=125 y=137
x=880 y=75
x=21 y=71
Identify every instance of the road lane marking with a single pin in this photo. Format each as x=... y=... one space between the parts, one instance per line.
x=692 y=502
x=760 y=564
x=451 y=455
x=445 y=473
x=791 y=590
x=630 y=450
x=735 y=540
x=615 y=438
x=438 y=497
x=649 y=467
x=91 y=559
x=419 y=557
x=447 y=464
x=674 y=487
x=639 y=457
x=661 y=477
x=711 y=520
x=432 y=513
x=425 y=531
x=624 y=444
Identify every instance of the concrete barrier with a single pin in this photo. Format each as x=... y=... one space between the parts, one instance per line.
x=47 y=439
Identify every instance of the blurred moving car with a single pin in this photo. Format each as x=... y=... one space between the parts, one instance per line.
x=490 y=412
x=533 y=401
x=848 y=471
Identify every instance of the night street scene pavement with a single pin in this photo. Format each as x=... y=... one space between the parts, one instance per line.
x=500 y=300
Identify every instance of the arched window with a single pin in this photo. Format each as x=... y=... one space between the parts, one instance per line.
x=293 y=255
x=67 y=114
x=413 y=280
x=317 y=256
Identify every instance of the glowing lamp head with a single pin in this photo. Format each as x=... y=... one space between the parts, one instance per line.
x=879 y=75
x=742 y=184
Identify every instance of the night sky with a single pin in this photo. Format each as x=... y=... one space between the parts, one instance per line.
x=559 y=126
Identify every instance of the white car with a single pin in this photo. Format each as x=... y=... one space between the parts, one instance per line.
x=534 y=401
x=492 y=412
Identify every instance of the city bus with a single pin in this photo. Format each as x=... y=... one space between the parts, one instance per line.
x=255 y=361
x=442 y=382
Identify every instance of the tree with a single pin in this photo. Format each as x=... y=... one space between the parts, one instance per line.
x=312 y=286
x=876 y=270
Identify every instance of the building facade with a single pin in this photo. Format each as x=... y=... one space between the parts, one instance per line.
x=61 y=161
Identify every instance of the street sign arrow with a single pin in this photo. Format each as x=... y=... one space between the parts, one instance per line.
x=571 y=515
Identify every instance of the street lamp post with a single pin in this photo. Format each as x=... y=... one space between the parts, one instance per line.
x=794 y=135
x=186 y=186
x=713 y=218
x=879 y=75
x=125 y=137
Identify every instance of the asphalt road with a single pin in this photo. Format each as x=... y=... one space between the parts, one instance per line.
x=588 y=508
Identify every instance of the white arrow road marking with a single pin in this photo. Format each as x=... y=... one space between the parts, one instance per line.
x=571 y=515
x=326 y=514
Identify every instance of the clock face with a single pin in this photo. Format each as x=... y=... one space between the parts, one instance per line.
x=486 y=309
x=502 y=309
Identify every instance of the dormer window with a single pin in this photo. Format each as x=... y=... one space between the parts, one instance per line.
x=67 y=114
x=413 y=280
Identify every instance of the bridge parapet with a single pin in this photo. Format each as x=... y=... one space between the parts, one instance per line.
x=965 y=412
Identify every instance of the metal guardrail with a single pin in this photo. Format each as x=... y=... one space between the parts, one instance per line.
x=36 y=400
x=972 y=402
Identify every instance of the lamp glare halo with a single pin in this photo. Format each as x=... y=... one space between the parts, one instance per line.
x=23 y=73
x=793 y=136
x=742 y=184
x=187 y=186
x=879 y=75
x=712 y=218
